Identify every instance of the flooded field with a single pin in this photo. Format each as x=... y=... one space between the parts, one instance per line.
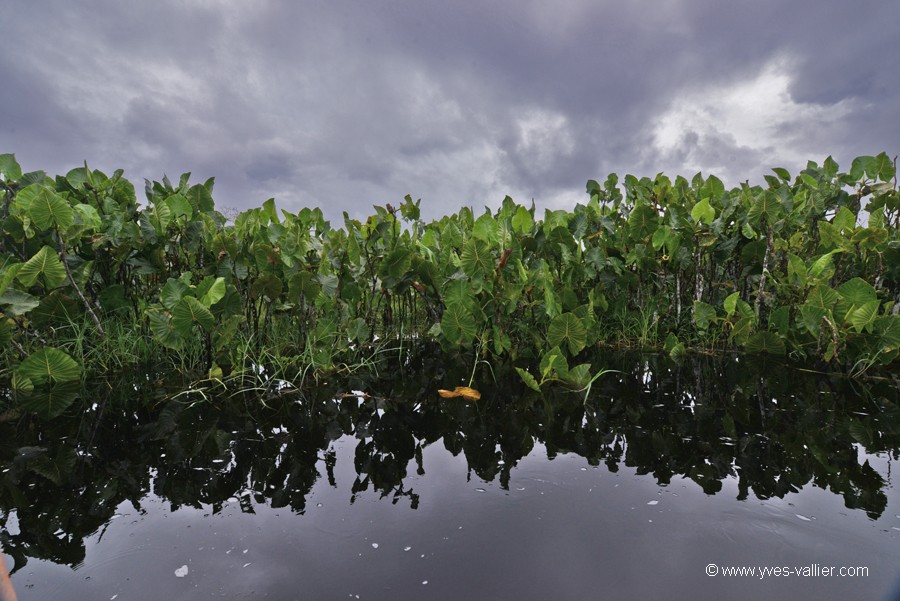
x=665 y=483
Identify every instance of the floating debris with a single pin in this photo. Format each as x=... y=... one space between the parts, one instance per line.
x=470 y=394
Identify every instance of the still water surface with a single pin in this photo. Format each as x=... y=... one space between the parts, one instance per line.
x=665 y=470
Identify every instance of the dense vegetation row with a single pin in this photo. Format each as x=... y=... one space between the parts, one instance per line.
x=807 y=266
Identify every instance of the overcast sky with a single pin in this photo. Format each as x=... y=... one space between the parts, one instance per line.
x=344 y=104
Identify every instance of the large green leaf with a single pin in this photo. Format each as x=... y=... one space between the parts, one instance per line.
x=522 y=221
x=55 y=308
x=7 y=275
x=173 y=291
x=643 y=221
x=861 y=318
x=210 y=291
x=45 y=263
x=88 y=216
x=822 y=297
x=18 y=302
x=703 y=212
x=160 y=218
x=765 y=207
x=458 y=325
x=779 y=320
x=270 y=286
x=179 y=206
x=486 y=229
x=189 y=311
x=49 y=365
x=528 y=379
x=797 y=271
x=476 y=258
x=853 y=294
x=567 y=329
x=459 y=293
x=9 y=167
x=358 y=330
x=765 y=342
x=811 y=317
x=164 y=330
x=704 y=314
x=396 y=263
x=200 y=198
x=730 y=303
x=881 y=167
x=553 y=364
x=49 y=209
x=887 y=327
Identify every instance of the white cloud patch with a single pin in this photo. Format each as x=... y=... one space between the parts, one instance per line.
x=731 y=129
x=544 y=138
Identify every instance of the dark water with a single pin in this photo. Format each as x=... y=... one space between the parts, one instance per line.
x=664 y=470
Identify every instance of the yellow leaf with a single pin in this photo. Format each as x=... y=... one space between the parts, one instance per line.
x=470 y=394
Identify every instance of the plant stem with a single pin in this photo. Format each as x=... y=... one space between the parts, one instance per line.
x=84 y=301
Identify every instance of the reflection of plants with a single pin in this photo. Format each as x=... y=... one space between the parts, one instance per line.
x=703 y=420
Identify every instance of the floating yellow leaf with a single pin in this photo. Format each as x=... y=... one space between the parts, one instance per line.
x=470 y=394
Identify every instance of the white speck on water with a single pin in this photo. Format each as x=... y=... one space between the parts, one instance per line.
x=894 y=528
x=318 y=504
x=113 y=598
x=407 y=548
x=247 y=564
x=424 y=582
x=245 y=550
x=802 y=517
x=480 y=490
x=652 y=502
x=501 y=462
x=584 y=469
x=181 y=572
x=423 y=556
x=374 y=545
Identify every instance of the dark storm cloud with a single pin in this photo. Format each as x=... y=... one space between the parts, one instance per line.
x=343 y=104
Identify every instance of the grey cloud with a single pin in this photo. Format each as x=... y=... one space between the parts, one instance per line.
x=343 y=104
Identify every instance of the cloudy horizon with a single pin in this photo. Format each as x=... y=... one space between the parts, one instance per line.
x=343 y=104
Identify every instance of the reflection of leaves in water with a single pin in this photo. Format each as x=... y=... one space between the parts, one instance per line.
x=706 y=421
x=51 y=401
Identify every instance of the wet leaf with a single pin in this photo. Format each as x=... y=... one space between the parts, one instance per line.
x=49 y=364
x=470 y=394
x=567 y=329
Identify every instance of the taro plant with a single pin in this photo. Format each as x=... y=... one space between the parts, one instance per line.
x=806 y=266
